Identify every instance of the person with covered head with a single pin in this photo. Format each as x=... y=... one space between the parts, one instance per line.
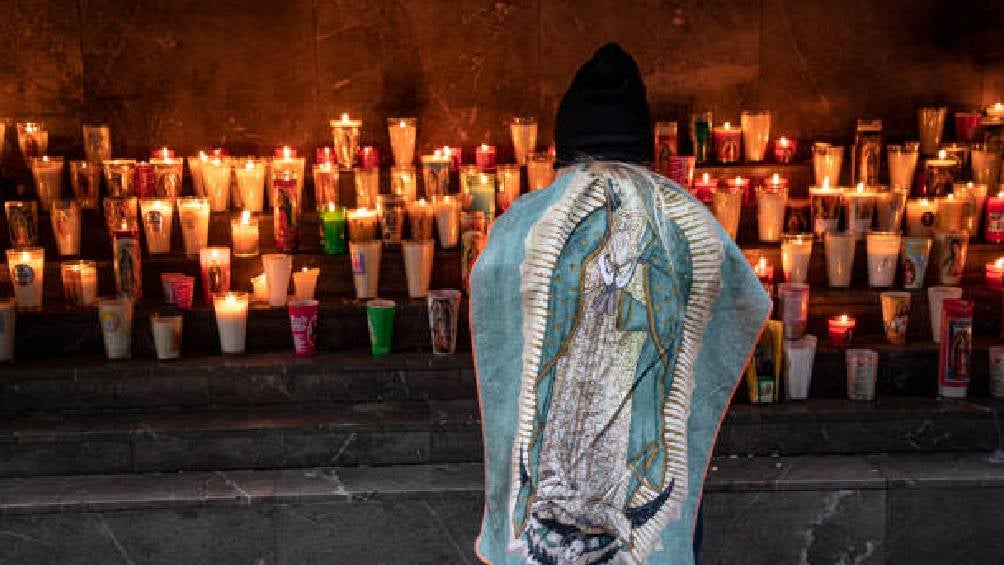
x=612 y=317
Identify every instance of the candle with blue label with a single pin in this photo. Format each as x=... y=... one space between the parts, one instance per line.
x=27 y=273
x=482 y=187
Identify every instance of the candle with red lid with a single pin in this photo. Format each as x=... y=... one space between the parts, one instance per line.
x=995 y=218
x=784 y=149
x=145 y=183
x=484 y=158
x=163 y=153
x=994 y=272
x=454 y=154
x=369 y=157
x=742 y=186
x=841 y=330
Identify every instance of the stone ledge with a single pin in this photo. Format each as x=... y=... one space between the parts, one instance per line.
x=346 y=484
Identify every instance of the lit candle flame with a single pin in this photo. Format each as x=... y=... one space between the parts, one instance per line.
x=402 y=123
x=246 y=217
x=203 y=156
x=726 y=125
x=843 y=318
x=775 y=179
x=861 y=187
x=287 y=153
x=826 y=183
x=942 y=154
x=345 y=116
x=25 y=256
x=484 y=179
x=304 y=270
x=783 y=142
x=331 y=206
x=231 y=299
x=707 y=178
x=999 y=264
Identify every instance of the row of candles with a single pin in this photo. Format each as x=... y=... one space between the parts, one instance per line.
x=115 y=317
x=729 y=144
x=951 y=327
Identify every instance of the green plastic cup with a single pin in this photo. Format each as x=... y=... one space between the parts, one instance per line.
x=380 y=318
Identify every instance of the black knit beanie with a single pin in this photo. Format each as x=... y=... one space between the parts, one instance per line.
x=604 y=114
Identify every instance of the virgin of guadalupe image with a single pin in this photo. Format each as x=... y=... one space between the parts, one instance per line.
x=607 y=344
x=126 y=271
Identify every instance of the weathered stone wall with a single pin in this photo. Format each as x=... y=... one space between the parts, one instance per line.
x=249 y=74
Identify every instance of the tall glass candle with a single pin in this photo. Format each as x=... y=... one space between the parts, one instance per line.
x=120 y=176
x=195 y=164
x=825 y=207
x=333 y=230
x=80 y=283
x=895 y=315
x=115 y=317
x=167 y=175
x=362 y=224
x=305 y=282
x=447 y=212
x=890 y=206
x=921 y=215
x=325 y=185
x=85 y=179
x=32 y=139
x=367 y=182
x=524 y=137
x=285 y=161
x=839 y=250
x=214 y=266
x=144 y=184
x=285 y=213
x=930 y=124
x=435 y=176
x=27 y=276
x=420 y=215
x=956 y=347
x=796 y=250
x=784 y=150
x=484 y=158
x=250 y=175
x=967 y=126
x=216 y=183
x=827 y=161
x=728 y=201
x=193 y=215
x=158 y=221
x=950 y=250
x=986 y=163
x=508 y=179
x=727 y=143
x=482 y=190
x=936 y=296
x=939 y=174
x=65 y=216
x=365 y=259
x=22 y=222
x=666 y=146
x=404 y=182
x=418 y=255
x=97 y=142
x=345 y=132
x=916 y=251
x=902 y=164
x=883 y=255
x=259 y=289
x=859 y=205
x=166 y=330
x=244 y=234
x=231 y=321
x=402 y=139
x=278 y=268
x=369 y=157
x=127 y=262
x=975 y=197
x=539 y=170
x=794 y=298
x=756 y=134
x=770 y=212
x=391 y=213
x=950 y=210
x=994 y=226
x=47 y=171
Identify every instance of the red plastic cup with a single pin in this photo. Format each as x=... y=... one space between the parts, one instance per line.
x=303 y=322
x=167 y=281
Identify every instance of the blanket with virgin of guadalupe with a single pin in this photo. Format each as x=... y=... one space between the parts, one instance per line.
x=612 y=318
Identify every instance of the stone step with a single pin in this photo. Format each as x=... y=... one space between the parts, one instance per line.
x=393 y=433
x=91 y=383
x=765 y=510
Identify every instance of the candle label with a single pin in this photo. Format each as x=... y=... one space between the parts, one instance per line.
x=155 y=221
x=915 y=256
x=826 y=213
x=23 y=229
x=358 y=263
x=995 y=226
x=953 y=257
x=168 y=184
x=110 y=322
x=284 y=215
x=797 y=217
x=472 y=244
x=128 y=280
x=24 y=275
x=391 y=221
x=214 y=278
x=665 y=147
x=956 y=340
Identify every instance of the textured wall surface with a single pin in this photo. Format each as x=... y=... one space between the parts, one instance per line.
x=250 y=74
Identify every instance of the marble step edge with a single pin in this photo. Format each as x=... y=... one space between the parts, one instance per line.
x=241 y=488
x=284 y=362
x=446 y=415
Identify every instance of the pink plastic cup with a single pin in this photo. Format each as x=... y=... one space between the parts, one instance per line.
x=303 y=322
